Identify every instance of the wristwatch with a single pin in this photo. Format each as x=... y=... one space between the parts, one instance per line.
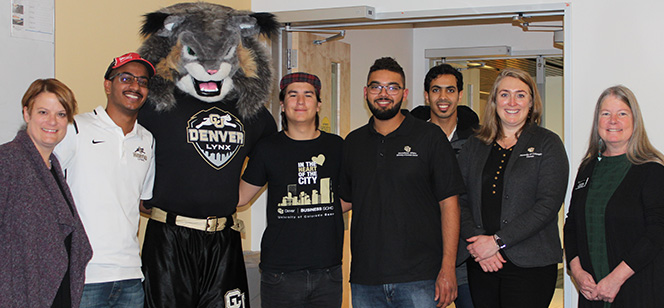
x=499 y=241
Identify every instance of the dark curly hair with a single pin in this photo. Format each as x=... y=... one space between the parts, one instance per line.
x=387 y=63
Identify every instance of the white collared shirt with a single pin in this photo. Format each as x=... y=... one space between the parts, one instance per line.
x=108 y=174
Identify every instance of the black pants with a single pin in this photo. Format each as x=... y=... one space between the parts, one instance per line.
x=512 y=286
x=318 y=288
x=190 y=268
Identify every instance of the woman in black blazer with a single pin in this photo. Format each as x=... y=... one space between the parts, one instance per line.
x=516 y=175
x=614 y=233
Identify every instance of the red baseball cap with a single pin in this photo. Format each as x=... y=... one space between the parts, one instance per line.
x=126 y=58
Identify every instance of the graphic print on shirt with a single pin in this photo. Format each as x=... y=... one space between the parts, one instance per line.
x=216 y=134
x=311 y=196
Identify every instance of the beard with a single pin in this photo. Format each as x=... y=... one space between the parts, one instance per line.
x=384 y=114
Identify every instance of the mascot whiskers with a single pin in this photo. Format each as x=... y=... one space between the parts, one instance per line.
x=206 y=111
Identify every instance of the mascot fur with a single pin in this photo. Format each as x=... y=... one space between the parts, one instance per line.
x=206 y=111
x=210 y=52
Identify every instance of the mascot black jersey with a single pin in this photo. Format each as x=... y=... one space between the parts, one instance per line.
x=201 y=148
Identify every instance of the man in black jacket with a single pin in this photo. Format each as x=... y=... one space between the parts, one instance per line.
x=443 y=88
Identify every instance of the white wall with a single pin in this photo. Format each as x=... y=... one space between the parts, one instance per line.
x=389 y=5
x=616 y=43
x=366 y=47
x=553 y=106
x=21 y=62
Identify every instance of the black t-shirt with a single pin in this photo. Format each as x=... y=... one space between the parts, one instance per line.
x=395 y=183
x=304 y=222
x=200 y=150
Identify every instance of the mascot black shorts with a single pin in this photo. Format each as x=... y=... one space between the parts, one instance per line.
x=190 y=268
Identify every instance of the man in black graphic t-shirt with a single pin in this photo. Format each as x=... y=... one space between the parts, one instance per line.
x=301 y=248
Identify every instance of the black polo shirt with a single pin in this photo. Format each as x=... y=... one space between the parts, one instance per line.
x=395 y=183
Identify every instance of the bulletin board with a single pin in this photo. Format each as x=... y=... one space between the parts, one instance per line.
x=27 y=37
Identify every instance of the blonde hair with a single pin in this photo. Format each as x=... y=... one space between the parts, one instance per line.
x=639 y=148
x=491 y=128
x=51 y=85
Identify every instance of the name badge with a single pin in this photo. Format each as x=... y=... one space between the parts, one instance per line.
x=531 y=153
x=581 y=184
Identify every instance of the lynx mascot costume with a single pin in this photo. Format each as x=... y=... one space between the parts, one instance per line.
x=205 y=110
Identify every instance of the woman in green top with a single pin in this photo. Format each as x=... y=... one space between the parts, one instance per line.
x=614 y=232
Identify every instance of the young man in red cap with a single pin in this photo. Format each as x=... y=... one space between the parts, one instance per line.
x=302 y=245
x=109 y=165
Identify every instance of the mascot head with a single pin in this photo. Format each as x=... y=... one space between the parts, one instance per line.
x=210 y=52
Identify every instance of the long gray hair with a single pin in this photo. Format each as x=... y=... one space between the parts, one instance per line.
x=639 y=148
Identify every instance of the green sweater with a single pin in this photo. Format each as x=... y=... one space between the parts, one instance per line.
x=607 y=175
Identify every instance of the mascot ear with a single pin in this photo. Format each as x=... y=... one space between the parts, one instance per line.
x=267 y=23
x=161 y=24
x=250 y=25
x=245 y=24
x=153 y=22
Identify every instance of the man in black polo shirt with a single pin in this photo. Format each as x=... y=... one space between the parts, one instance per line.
x=402 y=180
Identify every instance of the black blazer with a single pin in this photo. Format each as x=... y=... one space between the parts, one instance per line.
x=535 y=183
x=634 y=222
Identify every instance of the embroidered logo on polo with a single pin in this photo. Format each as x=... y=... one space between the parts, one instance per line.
x=407 y=152
x=216 y=134
x=140 y=154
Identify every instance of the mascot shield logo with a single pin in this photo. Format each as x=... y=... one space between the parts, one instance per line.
x=217 y=135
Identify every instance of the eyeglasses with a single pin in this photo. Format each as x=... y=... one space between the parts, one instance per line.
x=391 y=89
x=128 y=78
